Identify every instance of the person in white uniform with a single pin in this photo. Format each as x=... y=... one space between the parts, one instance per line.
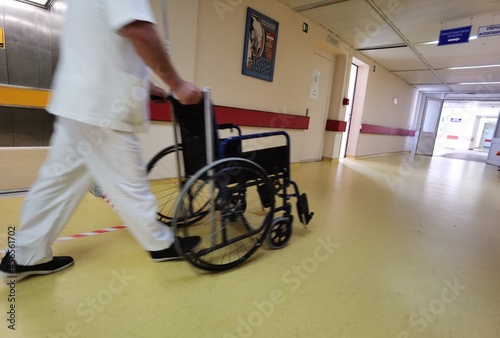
x=100 y=99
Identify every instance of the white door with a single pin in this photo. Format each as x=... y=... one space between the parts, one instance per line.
x=488 y=133
x=319 y=99
x=428 y=126
x=495 y=146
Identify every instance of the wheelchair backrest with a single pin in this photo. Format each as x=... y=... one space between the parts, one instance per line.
x=191 y=122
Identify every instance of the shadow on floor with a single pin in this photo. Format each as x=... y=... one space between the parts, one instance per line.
x=477 y=155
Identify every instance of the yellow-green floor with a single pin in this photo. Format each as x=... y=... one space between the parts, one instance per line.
x=397 y=248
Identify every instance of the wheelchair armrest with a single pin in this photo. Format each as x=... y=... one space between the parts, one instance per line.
x=238 y=139
x=261 y=135
x=230 y=126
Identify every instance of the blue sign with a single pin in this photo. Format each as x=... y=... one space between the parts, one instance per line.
x=454 y=35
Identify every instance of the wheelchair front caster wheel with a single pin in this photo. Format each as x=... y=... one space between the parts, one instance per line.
x=279 y=232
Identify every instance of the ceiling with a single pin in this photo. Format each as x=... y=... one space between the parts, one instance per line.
x=401 y=35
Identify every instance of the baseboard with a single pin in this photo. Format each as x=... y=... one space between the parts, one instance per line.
x=397 y=153
x=329 y=159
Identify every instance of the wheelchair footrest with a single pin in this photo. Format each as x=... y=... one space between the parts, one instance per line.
x=303 y=210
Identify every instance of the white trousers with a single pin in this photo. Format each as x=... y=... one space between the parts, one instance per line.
x=80 y=155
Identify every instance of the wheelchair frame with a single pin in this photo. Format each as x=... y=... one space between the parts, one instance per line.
x=228 y=196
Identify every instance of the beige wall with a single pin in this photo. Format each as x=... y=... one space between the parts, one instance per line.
x=19 y=166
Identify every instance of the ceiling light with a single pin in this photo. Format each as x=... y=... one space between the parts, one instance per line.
x=477 y=83
x=38 y=3
x=474 y=67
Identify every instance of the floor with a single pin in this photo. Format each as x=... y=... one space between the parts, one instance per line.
x=399 y=247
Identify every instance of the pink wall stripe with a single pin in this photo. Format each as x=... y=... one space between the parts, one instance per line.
x=381 y=130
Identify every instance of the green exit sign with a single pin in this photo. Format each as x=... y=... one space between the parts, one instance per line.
x=305 y=27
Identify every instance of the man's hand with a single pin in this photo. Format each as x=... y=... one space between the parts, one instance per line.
x=157 y=94
x=187 y=93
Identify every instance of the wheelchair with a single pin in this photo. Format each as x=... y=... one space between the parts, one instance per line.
x=233 y=198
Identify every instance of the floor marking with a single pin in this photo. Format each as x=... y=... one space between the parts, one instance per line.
x=85 y=234
x=91 y=233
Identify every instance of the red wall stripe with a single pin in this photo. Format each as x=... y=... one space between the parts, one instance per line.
x=240 y=117
x=160 y=111
x=373 y=129
x=335 y=125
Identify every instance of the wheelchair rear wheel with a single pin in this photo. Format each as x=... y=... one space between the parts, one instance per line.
x=166 y=184
x=240 y=205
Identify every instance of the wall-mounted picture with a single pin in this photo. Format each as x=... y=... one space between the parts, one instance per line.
x=261 y=38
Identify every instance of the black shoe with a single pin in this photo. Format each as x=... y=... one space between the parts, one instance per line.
x=9 y=269
x=187 y=244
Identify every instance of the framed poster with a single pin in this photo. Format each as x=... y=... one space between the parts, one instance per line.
x=261 y=38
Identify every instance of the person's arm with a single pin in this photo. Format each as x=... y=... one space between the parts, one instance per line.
x=147 y=43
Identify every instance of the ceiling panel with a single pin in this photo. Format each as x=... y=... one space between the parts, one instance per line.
x=396 y=59
x=356 y=22
x=419 y=77
x=469 y=75
x=477 y=88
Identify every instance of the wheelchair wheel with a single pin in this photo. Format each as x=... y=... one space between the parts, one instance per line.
x=279 y=232
x=241 y=207
x=167 y=190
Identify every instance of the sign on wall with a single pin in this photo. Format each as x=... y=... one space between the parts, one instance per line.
x=261 y=38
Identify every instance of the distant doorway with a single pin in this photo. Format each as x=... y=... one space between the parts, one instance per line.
x=466 y=129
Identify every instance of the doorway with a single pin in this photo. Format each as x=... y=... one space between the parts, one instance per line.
x=466 y=129
x=351 y=94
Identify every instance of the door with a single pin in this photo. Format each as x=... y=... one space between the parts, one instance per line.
x=488 y=133
x=428 y=126
x=319 y=99
x=495 y=146
x=349 y=109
